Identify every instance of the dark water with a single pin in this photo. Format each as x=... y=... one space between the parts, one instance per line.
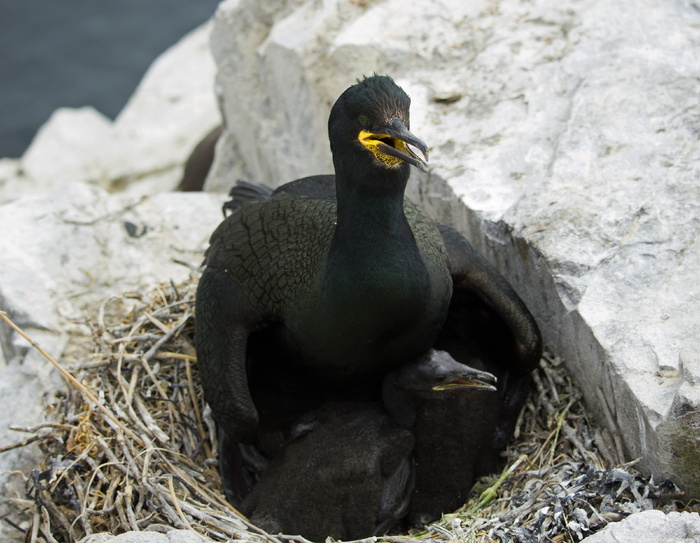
x=76 y=53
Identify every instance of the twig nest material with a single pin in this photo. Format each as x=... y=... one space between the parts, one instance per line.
x=142 y=458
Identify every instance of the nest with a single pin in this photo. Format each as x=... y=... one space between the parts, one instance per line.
x=129 y=447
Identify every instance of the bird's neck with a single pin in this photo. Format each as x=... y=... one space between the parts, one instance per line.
x=371 y=224
x=374 y=260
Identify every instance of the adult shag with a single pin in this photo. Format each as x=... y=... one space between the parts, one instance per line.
x=344 y=280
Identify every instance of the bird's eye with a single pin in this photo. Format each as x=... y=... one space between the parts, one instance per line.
x=364 y=119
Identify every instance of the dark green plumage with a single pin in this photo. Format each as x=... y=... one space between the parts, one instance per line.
x=334 y=281
x=322 y=296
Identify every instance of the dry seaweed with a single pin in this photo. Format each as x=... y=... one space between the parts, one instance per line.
x=564 y=480
x=129 y=447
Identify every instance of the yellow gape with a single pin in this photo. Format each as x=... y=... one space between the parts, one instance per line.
x=371 y=141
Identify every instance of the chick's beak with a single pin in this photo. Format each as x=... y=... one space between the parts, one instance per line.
x=470 y=378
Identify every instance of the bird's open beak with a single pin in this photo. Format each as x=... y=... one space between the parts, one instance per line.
x=470 y=378
x=394 y=140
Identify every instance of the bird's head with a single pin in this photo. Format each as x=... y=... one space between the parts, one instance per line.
x=438 y=371
x=369 y=123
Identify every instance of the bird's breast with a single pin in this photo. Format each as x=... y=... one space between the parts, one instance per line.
x=368 y=320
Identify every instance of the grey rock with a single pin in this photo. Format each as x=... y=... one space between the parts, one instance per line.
x=651 y=527
x=564 y=142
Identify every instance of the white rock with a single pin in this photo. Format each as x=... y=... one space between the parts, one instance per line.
x=68 y=148
x=63 y=253
x=11 y=179
x=569 y=134
x=66 y=249
x=172 y=536
x=68 y=243
x=651 y=527
x=287 y=122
